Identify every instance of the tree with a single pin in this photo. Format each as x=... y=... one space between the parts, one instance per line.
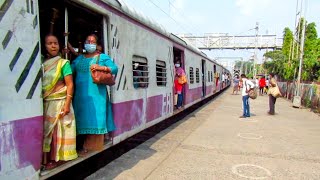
x=286 y=66
x=311 y=64
x=287 y=42
x=276 y=65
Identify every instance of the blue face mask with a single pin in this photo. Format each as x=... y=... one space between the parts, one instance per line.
x=90 y=48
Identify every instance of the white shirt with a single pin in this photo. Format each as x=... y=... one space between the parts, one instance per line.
x=257 y=83
x=246 y=85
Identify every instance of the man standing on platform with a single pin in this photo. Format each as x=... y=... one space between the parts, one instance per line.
x=246 y=86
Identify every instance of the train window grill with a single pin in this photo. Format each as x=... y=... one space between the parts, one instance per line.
x=191 y=74
x=140 y=72
x=197 y=75
x=214 y=68
x=211 y=77
x=208 y=76
x=32 y=12
x=161 y=71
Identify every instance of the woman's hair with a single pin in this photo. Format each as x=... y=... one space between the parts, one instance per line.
x=48 y=35
x=271 y=74
x=95 y=36
x=44 y=49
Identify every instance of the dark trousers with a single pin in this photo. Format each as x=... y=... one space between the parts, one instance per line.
x=246 y=106
x=180 y=99
x=261 y=90
x=272 y=102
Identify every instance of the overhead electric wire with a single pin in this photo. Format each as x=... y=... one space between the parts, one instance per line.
x=184 y=16
x=167 y=14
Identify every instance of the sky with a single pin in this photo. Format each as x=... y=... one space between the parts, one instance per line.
x=235 y=17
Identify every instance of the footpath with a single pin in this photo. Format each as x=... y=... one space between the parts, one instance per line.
x=214 y=143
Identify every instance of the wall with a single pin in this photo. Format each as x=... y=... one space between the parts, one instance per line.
x=309 y=94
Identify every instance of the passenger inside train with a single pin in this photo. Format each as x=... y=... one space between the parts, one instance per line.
x=84 y=22
x=179 y=82
x=94 y=118
x=59 y=137
x=137 y=81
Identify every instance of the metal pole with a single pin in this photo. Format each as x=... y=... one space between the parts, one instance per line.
x=241 y=67
x=299 y=27
x=291 y=56
x=66 y=31
x=301 y=55
x=297 y=98
x=255 y=51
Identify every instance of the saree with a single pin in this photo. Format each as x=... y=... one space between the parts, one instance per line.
x=59 y=136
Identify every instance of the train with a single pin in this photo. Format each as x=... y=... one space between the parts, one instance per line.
x=127 y=36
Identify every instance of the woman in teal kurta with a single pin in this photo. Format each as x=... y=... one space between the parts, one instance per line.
x=91 y=104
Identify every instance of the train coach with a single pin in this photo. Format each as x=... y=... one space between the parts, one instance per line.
x=127 y=36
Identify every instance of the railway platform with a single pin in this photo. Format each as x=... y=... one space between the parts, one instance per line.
x=214 y=143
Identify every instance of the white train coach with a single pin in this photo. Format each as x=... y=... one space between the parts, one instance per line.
x=127 y=36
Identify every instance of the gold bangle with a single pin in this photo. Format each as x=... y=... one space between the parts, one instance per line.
x=69 y=95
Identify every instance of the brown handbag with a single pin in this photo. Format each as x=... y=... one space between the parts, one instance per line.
x=102 y=77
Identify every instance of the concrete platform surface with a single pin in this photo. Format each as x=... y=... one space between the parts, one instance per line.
x=214 y=143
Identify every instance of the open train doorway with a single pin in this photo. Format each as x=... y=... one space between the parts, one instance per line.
x=179 y=74
x=71 y=23
x=203 y=75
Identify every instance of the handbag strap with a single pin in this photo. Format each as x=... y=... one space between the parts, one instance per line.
x=245 y=83
x=98 y=58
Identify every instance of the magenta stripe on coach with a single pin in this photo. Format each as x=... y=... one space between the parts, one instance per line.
x=193 y=95
x=127 y=115
x=154 y=107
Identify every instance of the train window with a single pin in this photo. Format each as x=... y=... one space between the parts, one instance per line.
x=214 y=68
x=211 y=77
x=197 y=75
x=140 y=72
x=191 y=75
x=208 y=76
x=161 y=71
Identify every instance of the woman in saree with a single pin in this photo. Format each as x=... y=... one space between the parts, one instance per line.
x=91 y=103
x=59 y=123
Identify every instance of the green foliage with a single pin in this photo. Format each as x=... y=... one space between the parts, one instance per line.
x=311 y=64
x=307 y=103
x=286 y=66
x=311 y=31
x=287 y=41
x=247 y=67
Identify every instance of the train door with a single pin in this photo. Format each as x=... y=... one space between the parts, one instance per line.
x=203 y=75
x=179 y=93
x=215 y=82
x=70 y=23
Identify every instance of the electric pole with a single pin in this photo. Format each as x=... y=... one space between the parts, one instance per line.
x=301 y=55
x=297 y=97
x=255 y=51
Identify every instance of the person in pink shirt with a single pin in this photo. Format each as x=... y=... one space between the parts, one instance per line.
x=177 y=84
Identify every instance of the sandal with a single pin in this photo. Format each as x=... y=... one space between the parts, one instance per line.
x=83 y=152
x=50 y=165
